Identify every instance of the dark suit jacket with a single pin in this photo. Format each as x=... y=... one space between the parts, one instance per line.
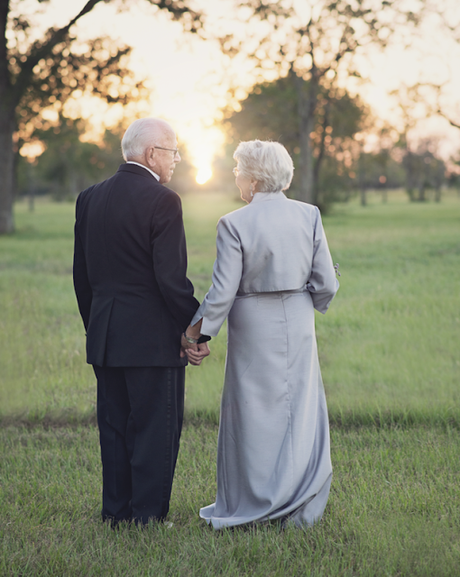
x=130 y=266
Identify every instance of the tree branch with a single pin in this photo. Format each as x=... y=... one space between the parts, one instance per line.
x=43 y=49
x=449 y=120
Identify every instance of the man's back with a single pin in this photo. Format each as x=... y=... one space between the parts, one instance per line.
x=130 y=265
x=130 y=271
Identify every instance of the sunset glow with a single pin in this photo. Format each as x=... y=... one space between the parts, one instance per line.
x=203 y=175
x=190 y=87
x=31 y=150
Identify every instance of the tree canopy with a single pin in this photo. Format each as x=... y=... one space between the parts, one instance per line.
x=44 y=73
x=270 y=112
x=317 y=41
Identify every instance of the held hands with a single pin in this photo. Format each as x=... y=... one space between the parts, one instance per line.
x=197 y=354
x=194 y=351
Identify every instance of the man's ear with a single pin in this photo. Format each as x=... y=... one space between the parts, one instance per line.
x=149 y=156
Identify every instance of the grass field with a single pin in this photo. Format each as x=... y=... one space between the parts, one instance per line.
x=389 y=356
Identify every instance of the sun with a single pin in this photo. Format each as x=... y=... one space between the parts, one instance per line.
x=203 y=175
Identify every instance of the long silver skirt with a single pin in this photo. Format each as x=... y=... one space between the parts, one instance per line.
x=273 y=456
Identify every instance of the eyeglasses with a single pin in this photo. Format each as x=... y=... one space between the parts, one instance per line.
x=235 y=171
x=173 y=150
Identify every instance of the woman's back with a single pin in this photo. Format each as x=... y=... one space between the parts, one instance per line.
x=277 y=238
x=283 y=245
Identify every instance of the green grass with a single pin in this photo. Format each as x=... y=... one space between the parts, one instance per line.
x=390 y=339
x=390 y=363
x=394 y=510
x=388 y=345
x=41 y=339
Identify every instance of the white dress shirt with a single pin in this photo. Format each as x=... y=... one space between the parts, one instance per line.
x=146 y=168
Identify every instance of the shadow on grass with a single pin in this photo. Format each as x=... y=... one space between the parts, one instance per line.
x=49 y=419
x=448 y=417
x=343 y=420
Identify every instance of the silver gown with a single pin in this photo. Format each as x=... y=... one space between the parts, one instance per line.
x=273 y=268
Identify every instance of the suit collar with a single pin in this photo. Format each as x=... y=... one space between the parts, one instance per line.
x=136 y=169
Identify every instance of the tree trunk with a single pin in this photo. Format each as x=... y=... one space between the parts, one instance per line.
x=31 y=186
x=421 y=192
x=7 y=125
x=322 y=147
x=306 y=105
x=363 y=195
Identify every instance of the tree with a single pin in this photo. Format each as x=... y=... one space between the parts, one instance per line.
x=270 y=112
x=450 y=16
x=423 y=169
x=46 y=72
x=318 y=41
x=419 y=157
x=376 y=165
x=453 y=175
x=67 y=164
x=377 y=170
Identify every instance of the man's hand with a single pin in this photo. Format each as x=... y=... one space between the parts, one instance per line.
x=196 y=356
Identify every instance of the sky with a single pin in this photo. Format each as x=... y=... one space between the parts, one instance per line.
x=189 y=77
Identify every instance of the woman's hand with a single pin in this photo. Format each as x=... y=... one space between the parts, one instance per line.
x=189 y=344
x=190 y=336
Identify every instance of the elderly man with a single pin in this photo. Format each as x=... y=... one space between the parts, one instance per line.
x=135 y=300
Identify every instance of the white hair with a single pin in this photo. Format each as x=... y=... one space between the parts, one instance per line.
x=141 y=134
x=267 y=162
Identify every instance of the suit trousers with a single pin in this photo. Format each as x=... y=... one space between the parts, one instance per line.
x=139 y=412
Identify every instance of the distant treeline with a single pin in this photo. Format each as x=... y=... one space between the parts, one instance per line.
x=343 y=164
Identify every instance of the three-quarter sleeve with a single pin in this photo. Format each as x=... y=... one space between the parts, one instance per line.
x=226 y=278
x=322 y=283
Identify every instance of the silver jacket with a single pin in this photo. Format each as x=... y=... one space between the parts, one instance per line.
x=273 y=244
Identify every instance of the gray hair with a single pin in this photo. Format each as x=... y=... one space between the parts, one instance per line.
x=141 y=134
x=267 y=162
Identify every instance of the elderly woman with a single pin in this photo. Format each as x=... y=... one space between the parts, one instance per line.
x=273 y=268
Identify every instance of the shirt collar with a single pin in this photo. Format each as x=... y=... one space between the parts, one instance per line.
x=146 y=168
